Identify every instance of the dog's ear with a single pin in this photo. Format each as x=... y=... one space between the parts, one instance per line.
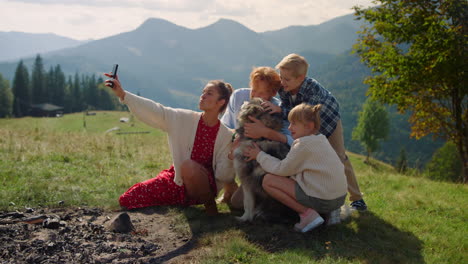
x=244 y=105
x=256 y=101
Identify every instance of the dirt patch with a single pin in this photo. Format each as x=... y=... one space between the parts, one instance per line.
x=82 y=235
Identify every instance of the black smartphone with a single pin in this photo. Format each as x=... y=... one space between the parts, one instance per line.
x=114 y=73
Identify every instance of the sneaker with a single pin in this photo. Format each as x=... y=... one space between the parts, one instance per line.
x=307 y=224
x=333 y=218
x=359 y=205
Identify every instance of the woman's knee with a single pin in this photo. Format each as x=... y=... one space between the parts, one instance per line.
x=268 y=179
x=187 y=164
x=193 y=176
x=188 y=169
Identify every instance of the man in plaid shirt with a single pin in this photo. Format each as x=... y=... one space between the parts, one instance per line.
x=297 y=88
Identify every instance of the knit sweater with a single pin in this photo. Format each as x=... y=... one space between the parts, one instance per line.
x=181 y=126
x=313 y=164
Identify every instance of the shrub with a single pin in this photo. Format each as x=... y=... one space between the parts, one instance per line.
x=445 y=164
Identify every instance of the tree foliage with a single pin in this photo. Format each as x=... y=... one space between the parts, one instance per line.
x=373 y=126
x=38 y=82
x=21 y=91
x=417 y=52
x=445 y=164
x=6 y=98
x=74 y=95
x=54 y=89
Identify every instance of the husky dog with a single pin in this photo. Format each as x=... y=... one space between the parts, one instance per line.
x=256 y=200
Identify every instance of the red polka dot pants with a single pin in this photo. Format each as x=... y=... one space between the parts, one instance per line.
x=161 y=190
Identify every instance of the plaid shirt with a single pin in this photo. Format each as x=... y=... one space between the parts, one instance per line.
x=312 y=92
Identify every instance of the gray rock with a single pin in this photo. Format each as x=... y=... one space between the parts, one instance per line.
x=121 y=223
x=51 y=223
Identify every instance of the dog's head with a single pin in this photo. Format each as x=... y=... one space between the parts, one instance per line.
x=254 y=108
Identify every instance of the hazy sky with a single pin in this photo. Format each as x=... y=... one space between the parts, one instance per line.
x=94 y=19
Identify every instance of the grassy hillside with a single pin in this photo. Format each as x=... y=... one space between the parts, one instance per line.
x=47 y=160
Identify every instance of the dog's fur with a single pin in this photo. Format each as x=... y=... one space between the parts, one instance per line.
x=256 y=201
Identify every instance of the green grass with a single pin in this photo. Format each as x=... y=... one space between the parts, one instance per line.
x=47 y=160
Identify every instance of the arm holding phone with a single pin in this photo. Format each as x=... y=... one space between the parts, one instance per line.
x=146 y=110
x=114 y=83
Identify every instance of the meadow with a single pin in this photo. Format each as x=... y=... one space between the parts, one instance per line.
x=84 y=160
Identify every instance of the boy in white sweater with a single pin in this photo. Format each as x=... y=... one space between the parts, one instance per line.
x=311 y=179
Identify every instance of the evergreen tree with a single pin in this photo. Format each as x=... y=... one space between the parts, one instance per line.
x=6 y=98
x=50 y=87
x=38 y=82
x=57 y=90
x=68 y=97
x=21 y=91
x=105 y=102
x=77 y=94
x=93 y=93
x=373 y=126
x=85 y=91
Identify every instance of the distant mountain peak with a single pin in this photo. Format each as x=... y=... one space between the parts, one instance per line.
x=227 y=25
x=157 y=23
x=225 y=21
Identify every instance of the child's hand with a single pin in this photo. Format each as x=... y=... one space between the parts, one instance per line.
x=270 y=107
x=251 y=152
x=256 y=129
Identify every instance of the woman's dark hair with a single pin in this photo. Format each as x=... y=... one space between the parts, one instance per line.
x=225 y=90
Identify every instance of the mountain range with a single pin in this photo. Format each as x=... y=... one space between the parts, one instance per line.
x=17 y=45
x=162 y=60
x=171 y=64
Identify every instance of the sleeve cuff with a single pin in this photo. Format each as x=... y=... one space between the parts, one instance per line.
x=260 y=156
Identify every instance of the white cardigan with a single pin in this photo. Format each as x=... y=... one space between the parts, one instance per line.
x=181 y=126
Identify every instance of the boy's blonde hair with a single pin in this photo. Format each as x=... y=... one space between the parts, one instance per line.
x=267 y=74
x=294 y=63
x=306 y=113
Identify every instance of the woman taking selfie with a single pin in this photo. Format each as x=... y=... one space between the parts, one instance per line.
x=199 y=146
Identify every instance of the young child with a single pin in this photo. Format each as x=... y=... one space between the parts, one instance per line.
x=298 y=88
x=311 y=179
